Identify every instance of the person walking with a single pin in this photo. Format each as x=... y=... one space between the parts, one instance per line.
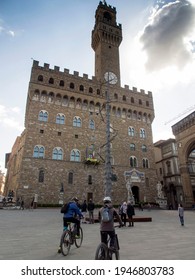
x=107 y=226
x=90 y=208
x=181 y=214
x=124 y=212
x=130 y=213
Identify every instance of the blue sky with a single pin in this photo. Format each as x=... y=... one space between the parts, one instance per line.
x=157 y=53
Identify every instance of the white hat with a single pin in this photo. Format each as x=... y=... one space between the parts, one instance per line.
x=107 y=198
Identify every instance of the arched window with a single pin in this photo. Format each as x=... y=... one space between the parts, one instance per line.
x=132 y=100
x=72 y=85
x=90 y=90
x=118 y=113
x=133 y=161
x=50 y=97
x=91 y=124
x=41 y=176
x=40 y=78
x=70 y=178
x=134 y=115
x=77 y=122
x=124 y=98
x=144 y=148
x=131 y=131
x=75 y=155
x=60 y=118
x=145 y=163
x=39 y=151
x=57 y=153
x=129 y=114
x=43 y=96
x=43 y=116
x=116 y=96
x=61 y=83
x=142 y=133
x=132 y=147
x=81 y=88
x=51 y=81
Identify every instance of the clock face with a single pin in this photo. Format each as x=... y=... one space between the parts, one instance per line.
x=111 y=78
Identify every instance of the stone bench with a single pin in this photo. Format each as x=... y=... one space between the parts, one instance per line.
x=135 y=219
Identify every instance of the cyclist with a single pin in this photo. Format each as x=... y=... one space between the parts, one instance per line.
x=71 y=215
x=107 y=228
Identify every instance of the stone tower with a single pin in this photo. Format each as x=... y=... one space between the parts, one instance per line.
x=106 y=39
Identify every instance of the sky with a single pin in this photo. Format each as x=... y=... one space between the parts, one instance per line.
x=157 y=54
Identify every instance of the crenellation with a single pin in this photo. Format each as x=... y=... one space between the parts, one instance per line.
x=35 y=63
x=85 y=76
x=46 y=66
x=92 y=80
x=67 y=71
x=56 y=68
x=76 y=73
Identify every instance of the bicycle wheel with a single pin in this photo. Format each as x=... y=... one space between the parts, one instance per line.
x=101 y=252
x=65 y=242
x=79 y=241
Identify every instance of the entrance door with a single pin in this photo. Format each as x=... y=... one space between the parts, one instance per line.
x=135 y=191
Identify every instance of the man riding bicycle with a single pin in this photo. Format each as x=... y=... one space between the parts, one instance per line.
x=71 y=215
x=107 y=227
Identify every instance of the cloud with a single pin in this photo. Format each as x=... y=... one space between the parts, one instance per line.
x=6 y=30
x=8 y=118
x=166 y=39
x=11 y=33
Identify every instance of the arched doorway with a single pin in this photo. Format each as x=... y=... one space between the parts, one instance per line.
x=191 y=168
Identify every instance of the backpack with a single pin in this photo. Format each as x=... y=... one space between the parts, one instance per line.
x=106 y=214
x=64 y=208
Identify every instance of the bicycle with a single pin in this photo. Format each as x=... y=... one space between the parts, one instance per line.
x=105 y=252
x=68 y=238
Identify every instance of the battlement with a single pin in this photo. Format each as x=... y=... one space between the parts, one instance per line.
x=104 y=4
x=75 y=74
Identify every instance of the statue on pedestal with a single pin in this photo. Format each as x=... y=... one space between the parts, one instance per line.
x=130 y=196
x=160 y=193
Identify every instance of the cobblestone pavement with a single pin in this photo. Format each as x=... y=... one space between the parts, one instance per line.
x=35 y=235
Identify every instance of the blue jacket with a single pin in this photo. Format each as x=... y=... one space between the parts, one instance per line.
x=73 y=210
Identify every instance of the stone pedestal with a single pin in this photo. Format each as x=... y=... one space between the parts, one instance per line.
x=162 y=202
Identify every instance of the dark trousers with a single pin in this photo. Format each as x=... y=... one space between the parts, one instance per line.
x=124 y=218
x=181 y=220
x=72 y=220
x=131 y=223
x=104 y=237
x=91 y=218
